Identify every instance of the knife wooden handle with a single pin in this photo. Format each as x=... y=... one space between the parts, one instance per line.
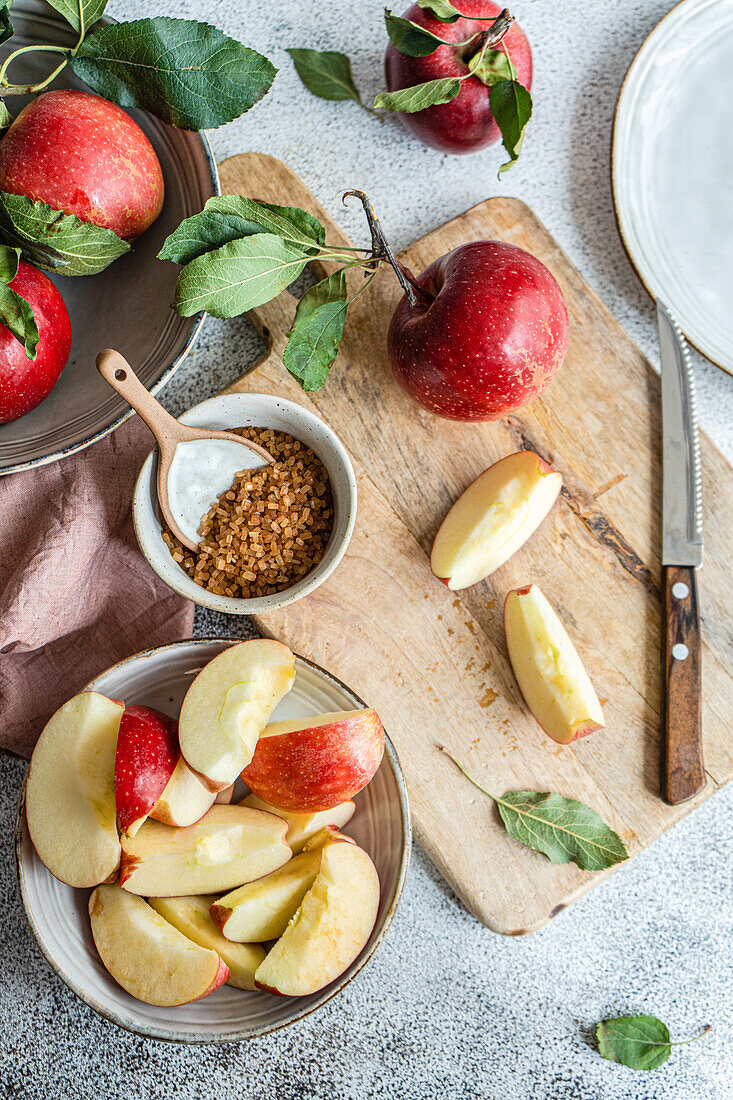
x=684 y=774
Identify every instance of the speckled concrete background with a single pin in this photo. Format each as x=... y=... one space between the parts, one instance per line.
x=445 y=1009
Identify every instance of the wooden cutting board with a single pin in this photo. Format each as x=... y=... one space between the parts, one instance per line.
x=434 y=662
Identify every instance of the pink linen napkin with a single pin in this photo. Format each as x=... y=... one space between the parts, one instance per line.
x=76 y=594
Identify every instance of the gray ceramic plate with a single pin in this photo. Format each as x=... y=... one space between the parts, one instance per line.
x=58 y=916
x=125 y=307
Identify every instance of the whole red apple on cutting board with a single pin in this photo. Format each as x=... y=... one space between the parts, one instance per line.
x=83 y=155
x=487 y=333
x=25 y=382
x=466 y=123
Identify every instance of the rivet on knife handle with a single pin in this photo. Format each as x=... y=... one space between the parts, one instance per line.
x=684 y=774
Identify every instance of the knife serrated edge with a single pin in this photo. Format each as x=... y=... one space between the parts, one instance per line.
x=695 y=434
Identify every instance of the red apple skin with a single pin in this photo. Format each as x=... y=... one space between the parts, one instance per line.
x=466 y=123
x=82 y=154
x=147 y=753
x=314 y=769
x=488 y=337
x=25 y=382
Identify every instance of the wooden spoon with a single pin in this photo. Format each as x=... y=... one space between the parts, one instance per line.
x=201 y=472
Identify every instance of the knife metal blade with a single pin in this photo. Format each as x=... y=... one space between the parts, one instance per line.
x=681 y=476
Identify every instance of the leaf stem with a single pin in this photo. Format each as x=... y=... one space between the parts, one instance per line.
x=470 y=778
x=694 y=1039
x=381 y=251
x=28 y=89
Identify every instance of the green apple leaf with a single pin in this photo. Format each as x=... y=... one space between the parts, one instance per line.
x=316 y=332
x=91 y=10
x=227 y=218
x=56 y=241
x=6 y=26
x=562 y=829
x=420 y=96
x=491 y=67
x=6 y=119
x=238 y=276
x=9 y=260
x=188 y=73
x=511 y=106
x=326 y=74
x=409 y=38
x=441 y=9
x=639 y=1042
x=17 y=315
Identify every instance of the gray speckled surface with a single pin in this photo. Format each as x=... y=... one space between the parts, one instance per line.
x=446 y=1008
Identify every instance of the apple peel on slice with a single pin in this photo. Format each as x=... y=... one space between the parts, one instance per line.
x=146 y=955
x=550 y=674
x=190 y=915
x=70 y=796
x=147 y=757
x=228 y=846
x=331 y=927
x=308 y=765
x=301 y=827
x=261 y=910
x=228 y=705
x=493 y=517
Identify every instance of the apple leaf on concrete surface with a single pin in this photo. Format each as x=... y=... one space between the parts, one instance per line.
x=327 y=74
x=408 y=37
x=511 y=106
x=188 y=73
x=420 y=96
x=441 y=9
x=227 y=218
x=238 y=276
x=56 y=241
x=317 y=330
x=91 y=10
x=639 y=1042
x=15 y=313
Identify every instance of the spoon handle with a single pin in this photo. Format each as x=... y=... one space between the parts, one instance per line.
x=115 y=370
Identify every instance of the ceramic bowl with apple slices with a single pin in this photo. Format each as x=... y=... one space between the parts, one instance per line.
x=248 y=909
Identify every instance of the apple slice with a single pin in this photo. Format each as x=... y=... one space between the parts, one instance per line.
x=225 y=797
x=190 y=915
x=228 y=705
x=550 y=674
x=185 y=799
x=301 y=827
x=70 y=795
x=493 y=517
x=147 y=757
x=307 y=765
x=146 y=955
x=261 y=910
x=228 y=846
x=331 y=927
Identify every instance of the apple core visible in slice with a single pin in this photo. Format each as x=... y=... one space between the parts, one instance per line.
x=307 y=765
x=261 y=910
x=493 y=517
x=301 y=827
x=70 y=796
x=331 y=927
x=185 y=799
x=190 y=915
x=146 y=955
x=228 y=705
x=550 y=674
x=228 y=846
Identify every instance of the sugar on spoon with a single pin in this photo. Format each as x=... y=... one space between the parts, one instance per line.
x=195 y=465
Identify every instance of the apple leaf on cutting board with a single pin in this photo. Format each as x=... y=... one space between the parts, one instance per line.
x=15 y=313
x=56 y=241
x=639 y=1042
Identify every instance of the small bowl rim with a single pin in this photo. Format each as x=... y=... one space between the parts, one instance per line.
x=330 y=991
x=234 y=605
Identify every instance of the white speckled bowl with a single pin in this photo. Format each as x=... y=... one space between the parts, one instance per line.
x=57 y=914
x=262 y=410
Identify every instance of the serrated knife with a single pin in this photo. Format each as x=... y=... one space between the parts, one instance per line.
x=683 y=773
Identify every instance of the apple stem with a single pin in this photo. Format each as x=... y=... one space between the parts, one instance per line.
x=382 y=253
x=492 y=36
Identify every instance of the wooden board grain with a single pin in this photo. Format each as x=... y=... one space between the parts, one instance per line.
x=434 y=662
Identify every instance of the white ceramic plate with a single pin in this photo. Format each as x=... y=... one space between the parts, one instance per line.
x=58 y=916
x=673 y=170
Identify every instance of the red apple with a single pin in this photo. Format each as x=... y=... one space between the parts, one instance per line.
x=487 y=333
x=84 y=155
x=147 y=754
x=311 y=764
x=25 y=382
x=466 y=123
